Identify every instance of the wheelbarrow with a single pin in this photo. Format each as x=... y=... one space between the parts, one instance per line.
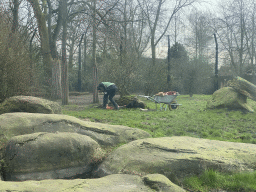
x=165 y=101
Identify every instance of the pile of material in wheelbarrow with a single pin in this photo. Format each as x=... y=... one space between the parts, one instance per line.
x=167 y=93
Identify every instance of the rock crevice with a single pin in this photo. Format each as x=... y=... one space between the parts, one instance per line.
x=152 y=146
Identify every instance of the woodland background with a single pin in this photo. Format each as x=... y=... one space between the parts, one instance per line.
x=51 y=47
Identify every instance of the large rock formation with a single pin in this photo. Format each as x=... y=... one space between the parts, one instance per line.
x=234 y=96
x=29 y=104
x=244 y=87
x=40 y=156
x=28 y=127
x=13 y=124
x=228 y=97
x=178 y=157
x=111 y=183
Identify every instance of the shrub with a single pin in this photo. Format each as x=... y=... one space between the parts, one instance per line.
x=15 y=69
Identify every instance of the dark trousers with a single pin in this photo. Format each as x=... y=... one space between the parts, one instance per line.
x=109 y=94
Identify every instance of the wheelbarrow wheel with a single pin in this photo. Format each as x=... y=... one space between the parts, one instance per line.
x=173 y=105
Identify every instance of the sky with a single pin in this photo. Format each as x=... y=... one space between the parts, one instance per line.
x=161 y=49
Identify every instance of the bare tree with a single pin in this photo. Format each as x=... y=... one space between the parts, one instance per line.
x=235 y=32
x=124 y=37
x=64 y=79
x=45 y=47
x=156 y=14
x=250 y=35
x=15 y=9
x=95 y=69
x=58 y=17
x=201 y=33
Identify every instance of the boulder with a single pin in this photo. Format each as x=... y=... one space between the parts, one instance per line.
x=178 y=157
x=113 y=183
x=14 y=124
x=40 y=156
x=228 y=97
x=29 y=104
x=244 y=87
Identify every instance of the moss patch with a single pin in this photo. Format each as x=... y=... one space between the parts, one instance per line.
x=228 y=97
x=179 y=156
x=29 y=104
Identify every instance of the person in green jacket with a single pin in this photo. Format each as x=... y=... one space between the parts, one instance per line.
x=109 y=90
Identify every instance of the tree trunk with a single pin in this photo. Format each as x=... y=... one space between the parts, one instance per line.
x=45 y=47
x=79 y=81
x=95 y=83
x=56 y=32
x=15 y=15
x=31 y=57
x=216 y=86
x=253 y=50
x=95 y=71
x=65 y=89
x=169 y=65
x=153 y=48
x=56 y=63
x=49 y=22
x=71 y=53
x=56 y=80
x=85 y=53
x=241 y=49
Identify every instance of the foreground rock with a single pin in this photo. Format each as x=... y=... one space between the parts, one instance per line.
x=50 y=156
x=14 y=124
x=113 y=183
x=228 y=97
x=178 y=157
x=29 y=104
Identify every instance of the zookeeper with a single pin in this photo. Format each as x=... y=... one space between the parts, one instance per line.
x=109 y=90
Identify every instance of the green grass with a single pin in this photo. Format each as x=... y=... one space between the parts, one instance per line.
x=211 y=179
x=191 y=119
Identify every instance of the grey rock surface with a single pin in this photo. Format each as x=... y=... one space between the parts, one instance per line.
x=178 y=157
x=228 y=97
x=14 y=124
x=111 y=183
x=40 y=156
x=29 y=104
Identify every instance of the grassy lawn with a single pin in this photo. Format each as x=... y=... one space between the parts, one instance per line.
x=213 y=180
x=191 y=119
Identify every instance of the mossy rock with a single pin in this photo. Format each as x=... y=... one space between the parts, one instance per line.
x=29 y=104
x=178 y=157
x=131 y=101
x=42 y=155
x=108 y=136
x=228 y=97
x=111 y=183
x=244 y=87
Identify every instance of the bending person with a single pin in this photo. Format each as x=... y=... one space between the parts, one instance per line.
x=109 y=90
